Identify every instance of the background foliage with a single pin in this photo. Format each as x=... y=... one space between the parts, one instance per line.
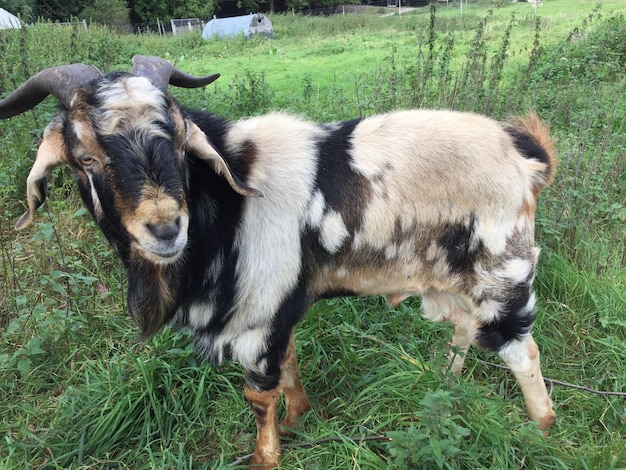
x=107 y=12
x=78 y=390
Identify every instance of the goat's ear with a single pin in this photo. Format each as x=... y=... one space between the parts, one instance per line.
x=51 y=153
x=198 y=143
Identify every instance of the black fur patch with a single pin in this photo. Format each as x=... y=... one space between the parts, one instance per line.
x=513 y=321
x=529 y=148
x=456 y=241
x=290 y=312
x=216 y=129
x=344 y=190
x=215 y=212
x=110 y=223
x=156 y=166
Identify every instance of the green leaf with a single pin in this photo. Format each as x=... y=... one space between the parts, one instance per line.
x=24 y=366
x=33 y=346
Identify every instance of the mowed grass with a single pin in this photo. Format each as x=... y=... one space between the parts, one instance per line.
x=78 y=390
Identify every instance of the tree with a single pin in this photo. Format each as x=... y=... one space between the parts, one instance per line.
x=192 y=8
x=144 y=11
x=22 y=8
x=147 y=11
x=113 y=13
x=58 y=10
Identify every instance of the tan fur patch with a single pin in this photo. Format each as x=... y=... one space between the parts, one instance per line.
x=50 y=154
x=296 y=401
x=87 y=142
x=155 y=207
x=267 y=449
x=180 y=128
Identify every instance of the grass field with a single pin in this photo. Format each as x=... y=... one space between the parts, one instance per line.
x=78 y=390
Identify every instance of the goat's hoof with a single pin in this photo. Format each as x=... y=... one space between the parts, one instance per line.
x=264 y=462
x=547 y=422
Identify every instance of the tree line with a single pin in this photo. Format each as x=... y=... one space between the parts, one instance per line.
x=122 y=13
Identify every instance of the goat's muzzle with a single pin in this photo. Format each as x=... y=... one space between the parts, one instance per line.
x=162 y=242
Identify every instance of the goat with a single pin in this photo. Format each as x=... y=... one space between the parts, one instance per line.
x=233 y=229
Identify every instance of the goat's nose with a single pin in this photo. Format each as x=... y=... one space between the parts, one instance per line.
x=165 y=231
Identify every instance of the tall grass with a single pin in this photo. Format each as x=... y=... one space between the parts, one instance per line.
x=77 y=389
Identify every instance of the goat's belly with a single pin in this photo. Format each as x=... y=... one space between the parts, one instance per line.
x=392 y=281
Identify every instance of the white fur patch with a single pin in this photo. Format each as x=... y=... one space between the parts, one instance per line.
x=391 y=251
x=268 y=239
x=440 y=306
x=248 y=346
x=215 y=268
x=97 y=206
x=488 y=311
x=518 y=270
x=494 y=232
x=515 y=354
x=341 y=273
x=316 y=209
x=133 y=102
x=333 y=231
x=200 y=315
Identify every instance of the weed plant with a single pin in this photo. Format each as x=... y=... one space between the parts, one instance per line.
x=77 y=388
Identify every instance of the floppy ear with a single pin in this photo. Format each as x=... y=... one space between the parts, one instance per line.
x=198 y=143
x=51 y=153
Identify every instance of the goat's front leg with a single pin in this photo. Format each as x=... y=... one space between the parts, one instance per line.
x=462 y=339
x=267 y=448
x=265 y=403
x=444 y=306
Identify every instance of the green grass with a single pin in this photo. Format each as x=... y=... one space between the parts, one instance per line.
x=77 y=388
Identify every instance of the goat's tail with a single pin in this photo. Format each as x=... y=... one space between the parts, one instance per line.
x=532 y=139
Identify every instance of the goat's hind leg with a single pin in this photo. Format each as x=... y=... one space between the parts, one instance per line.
x=296 y=401
x=522 y=357
x=508 y=332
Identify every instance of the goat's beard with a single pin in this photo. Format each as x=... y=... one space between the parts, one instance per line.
x=152 y=295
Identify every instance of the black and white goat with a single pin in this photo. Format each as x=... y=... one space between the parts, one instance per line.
x=233 y=229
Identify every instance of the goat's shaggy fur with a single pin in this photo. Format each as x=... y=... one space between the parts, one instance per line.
x=234 y=228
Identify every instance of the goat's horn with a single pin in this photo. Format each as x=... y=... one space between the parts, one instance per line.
x=161 y=73
x=61 y=82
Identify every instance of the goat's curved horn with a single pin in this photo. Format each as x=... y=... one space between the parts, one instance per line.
x=61 y=81
x=161 y=73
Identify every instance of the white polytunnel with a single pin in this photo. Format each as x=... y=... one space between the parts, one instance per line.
x=252 y=25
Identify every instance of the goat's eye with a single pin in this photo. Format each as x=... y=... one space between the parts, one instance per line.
x=86 y=160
